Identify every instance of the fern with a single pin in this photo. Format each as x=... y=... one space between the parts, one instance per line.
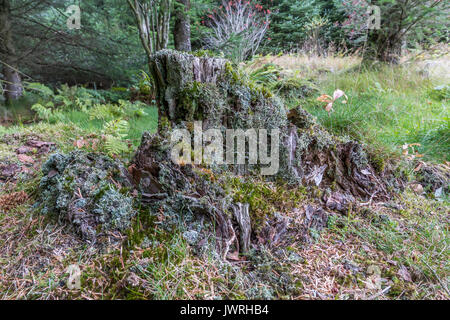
x=3 y=130
x=118 y=127
x=83 y=104
x=103 y=112
x=77 y=98
x=47 y=113
x=43 y=112
x=123 y=109
x=132 y=109
x=115 y=145
x=40 y=89
x=114 y=133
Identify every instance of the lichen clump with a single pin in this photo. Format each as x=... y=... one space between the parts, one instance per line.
x=90 y=191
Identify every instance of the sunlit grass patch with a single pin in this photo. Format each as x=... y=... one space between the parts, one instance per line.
x=308 y=66
x=138 y=125
x=387 y=108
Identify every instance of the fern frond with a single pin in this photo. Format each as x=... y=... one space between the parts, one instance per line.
x=117 y=128
x=115 y=145
x=42 y=112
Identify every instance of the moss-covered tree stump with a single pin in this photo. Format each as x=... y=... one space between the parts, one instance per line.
x=191 y=88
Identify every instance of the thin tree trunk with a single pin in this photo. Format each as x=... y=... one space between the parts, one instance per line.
x=385 y=44
x=182 y=30
x=382 y=47
x=153 y=22
x=13 y=87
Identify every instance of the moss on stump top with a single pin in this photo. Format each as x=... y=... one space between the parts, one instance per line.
x=208 y=89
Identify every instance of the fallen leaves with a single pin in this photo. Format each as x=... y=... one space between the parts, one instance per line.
x=234 y=256
x=404 y=273
x=25 y=159
x=88 y=142
x=417 y=188
x=331 y=100
x=8 y=171
x=415 y=154
x=12 y=200
x=29 y=155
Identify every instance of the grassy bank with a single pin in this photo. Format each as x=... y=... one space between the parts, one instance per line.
x=387 y=108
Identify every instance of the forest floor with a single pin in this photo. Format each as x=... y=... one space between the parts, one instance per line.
x=392 y=250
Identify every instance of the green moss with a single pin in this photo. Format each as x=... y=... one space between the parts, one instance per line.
x=265 y=199
x=233 y=75
x=199 y=99
x=204 y=53
x=378 y=162
x=295 y=88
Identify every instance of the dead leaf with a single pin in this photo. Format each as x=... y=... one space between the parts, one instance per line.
x=325 y=98
x=404 y=273
x=79 y=143
x=438 y=192
x=419 y=166
x=234 y=256
x=329 y=107
x=392 y=262
x=24 y=149
x=39 y=144
x=405 y=149
x=417 y=188
x=52 y=173
x=25 y=159
x=337 y=94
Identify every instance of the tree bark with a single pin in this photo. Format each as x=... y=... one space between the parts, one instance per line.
x=13 y=87
x=175 y=71
x=153 y=22
x=208 y=90
x=182 y=29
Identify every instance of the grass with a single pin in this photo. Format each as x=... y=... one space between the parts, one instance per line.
x=306 y=66
x=138 y=125
x=19 y=114
x=412 y=233
x=387 y=108
x=76 y=125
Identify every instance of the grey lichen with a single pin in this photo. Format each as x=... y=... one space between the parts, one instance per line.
x=90 y=191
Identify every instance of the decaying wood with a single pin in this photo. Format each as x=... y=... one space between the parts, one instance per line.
x=174 y=71
x=241 y=214
x=309 y=155
x=317 y=158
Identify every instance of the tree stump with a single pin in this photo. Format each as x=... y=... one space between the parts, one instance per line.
x=190 y=88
